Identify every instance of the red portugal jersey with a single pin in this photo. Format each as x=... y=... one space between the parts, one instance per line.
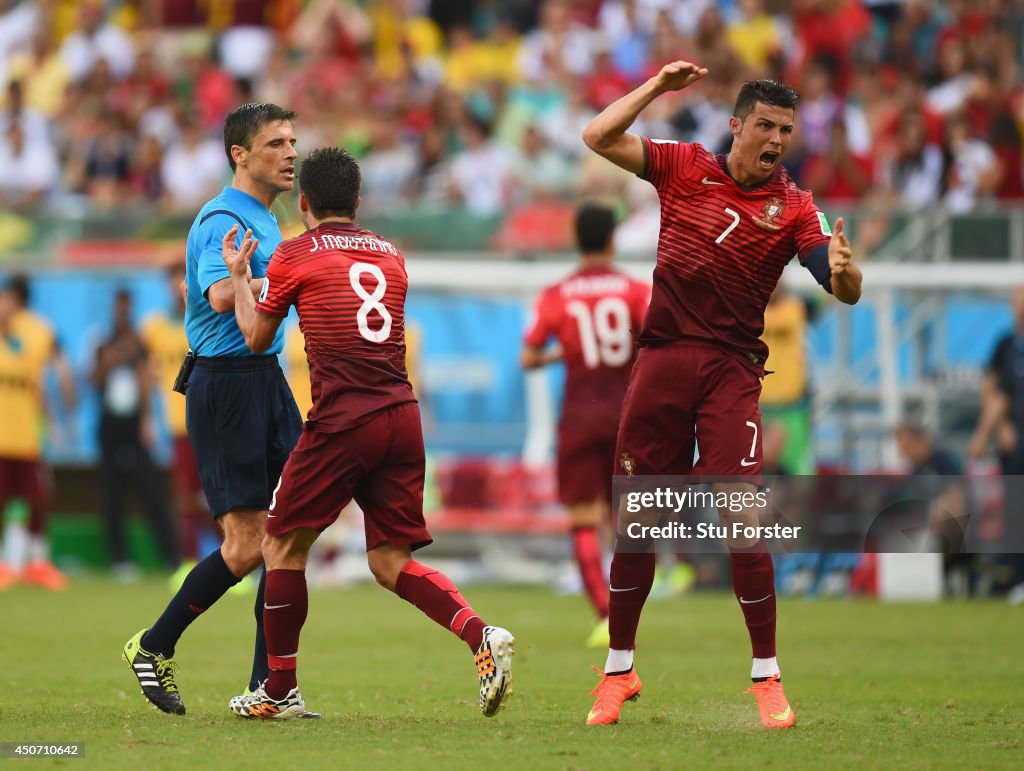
x=595 y=314
x=349 y=288
x=722 y=248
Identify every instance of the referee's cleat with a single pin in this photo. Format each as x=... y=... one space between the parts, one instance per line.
x=494 y=666
x=155 y=675
x=237 y=705
x=259 y=706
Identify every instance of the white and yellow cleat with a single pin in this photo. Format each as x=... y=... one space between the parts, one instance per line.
x=494 y=666
x=238 y=705
x=260 y=706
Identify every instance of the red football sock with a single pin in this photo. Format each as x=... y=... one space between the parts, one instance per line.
x=586 y=545
x=434 y=593
x=285 y=602
x=632 y=576
x=753 y=581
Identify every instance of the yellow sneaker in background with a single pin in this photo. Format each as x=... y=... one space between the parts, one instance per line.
x=245 y=587
x=681 y=578
x=599 y=638
x=177 y=578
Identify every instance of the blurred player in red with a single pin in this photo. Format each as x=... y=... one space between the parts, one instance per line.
x=595 y=314
x=729 y=225
x=30 y=347
x=164 y=337
x=362 y=440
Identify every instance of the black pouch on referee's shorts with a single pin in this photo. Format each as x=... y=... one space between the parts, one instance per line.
x=181 y=381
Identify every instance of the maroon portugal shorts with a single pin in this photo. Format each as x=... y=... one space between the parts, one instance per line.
x=23 y=479
x=681 y=395
x=380 y=464
x=586 y=456
x=184 y=471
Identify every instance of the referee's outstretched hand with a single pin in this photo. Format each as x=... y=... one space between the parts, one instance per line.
x=237 y=260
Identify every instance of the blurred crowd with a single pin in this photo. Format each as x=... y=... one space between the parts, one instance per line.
x=480 y=103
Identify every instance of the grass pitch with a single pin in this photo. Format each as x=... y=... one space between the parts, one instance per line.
x=874 y=686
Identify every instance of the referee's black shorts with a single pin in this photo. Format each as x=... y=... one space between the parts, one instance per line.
x=243 y=423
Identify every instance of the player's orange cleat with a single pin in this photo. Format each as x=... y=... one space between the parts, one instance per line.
x=7 y=577
x=772 y=704
x=612 y=692
x=44 y=574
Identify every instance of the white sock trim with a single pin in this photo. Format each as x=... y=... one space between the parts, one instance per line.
x=463 y=627
x=619 y=661
x=16 y=544
x=38 y=548
x=764 y=667
x=451 y=624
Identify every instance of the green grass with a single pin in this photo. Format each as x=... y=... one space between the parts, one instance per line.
x=874 y=686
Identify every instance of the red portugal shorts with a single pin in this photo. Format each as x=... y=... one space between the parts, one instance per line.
x=586 y=457
x=22 y=479
x=380 y=464
x=684 y=394
x=184 y=471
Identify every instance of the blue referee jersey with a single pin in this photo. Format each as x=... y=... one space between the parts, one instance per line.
x=216 y=334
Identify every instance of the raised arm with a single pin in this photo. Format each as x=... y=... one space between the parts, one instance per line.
x=846 y=276
x=222 y=293
x=257 y=329
x=607 y=133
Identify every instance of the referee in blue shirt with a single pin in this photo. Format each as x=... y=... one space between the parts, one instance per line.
x=241 y=416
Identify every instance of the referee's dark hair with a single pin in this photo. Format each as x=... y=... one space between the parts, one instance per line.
x=245 y=122
x=595 y=225
x=329 y=178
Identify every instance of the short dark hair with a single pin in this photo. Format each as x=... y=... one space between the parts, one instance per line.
x=329 y=178
x=595 y=225
x=913 y=429
x=245 y=122
x=766 y=92
x=18 y=286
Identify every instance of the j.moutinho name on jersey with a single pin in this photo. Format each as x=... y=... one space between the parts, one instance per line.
x=352 y=243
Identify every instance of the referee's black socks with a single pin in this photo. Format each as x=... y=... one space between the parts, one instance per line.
x=203 y=586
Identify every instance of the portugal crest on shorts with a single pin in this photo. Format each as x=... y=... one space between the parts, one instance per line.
x=628 y=463
x=773 y=208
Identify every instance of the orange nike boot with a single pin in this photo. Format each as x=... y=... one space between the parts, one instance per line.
x=43 y=573
x=772 y=704
x=7 y=577
x=612 y=692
